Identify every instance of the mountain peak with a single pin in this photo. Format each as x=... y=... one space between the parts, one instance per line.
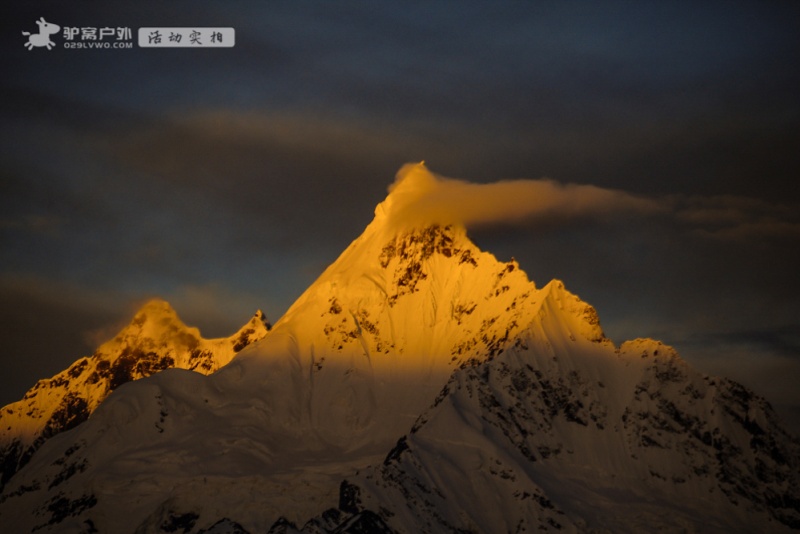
x=154 y=340
x=260 y=316
x=255 y=329
x=411 y=182
x=157 y=321
x=157 y=307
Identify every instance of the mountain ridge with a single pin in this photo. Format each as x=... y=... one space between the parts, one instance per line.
x=415 y=381
x=541 y=460
x=154 y=340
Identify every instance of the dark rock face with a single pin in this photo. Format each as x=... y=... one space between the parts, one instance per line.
x=72 y=411
x=282 y=526
x=179 y=522
x=132 y=364
x=10 y=460
x=62 y=507
x=412 y=249
x=349 y=498
x=365 y=522
x=349 y=518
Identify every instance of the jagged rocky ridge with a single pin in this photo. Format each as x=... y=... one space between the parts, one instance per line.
x=156 y=339
x=421 y=385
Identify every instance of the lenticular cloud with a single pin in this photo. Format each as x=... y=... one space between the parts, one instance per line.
x=420 y=196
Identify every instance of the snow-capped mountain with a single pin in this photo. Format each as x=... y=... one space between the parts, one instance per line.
x=583 y=438
x=421 y=385
x=156 y=339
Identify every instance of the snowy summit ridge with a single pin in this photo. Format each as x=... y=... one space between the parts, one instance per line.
x=421 y=385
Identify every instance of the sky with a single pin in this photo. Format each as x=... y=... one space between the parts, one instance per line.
x=225 y=180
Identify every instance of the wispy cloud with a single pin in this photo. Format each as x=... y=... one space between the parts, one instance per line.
x=419 y=196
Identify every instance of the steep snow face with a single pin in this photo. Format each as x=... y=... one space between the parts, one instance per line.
x=374 y=338
x=156 y=339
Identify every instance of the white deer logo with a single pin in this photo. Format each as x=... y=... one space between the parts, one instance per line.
x=43 y=37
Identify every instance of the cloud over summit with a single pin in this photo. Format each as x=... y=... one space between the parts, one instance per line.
x=419 y=196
